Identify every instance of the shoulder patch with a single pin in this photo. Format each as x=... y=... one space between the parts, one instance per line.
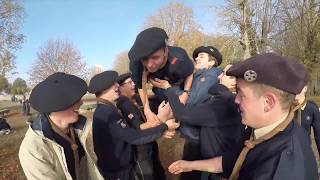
x=130 y=116
x=174 y=60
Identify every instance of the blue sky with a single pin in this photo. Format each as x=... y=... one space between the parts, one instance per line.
x=99 y=29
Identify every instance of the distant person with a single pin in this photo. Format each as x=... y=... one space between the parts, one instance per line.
x=55 y=145
x=27 y=107
x=4 y=127
x=308 y=116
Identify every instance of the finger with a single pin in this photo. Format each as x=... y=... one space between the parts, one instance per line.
x=162 y=104
x=178 y=171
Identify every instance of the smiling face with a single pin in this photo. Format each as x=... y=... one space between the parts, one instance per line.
x=156 y=60
x=204 y=61
x=127 y=88
x=250 y=104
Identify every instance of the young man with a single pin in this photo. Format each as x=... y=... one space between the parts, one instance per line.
x=112 y=136
x=217 y=119
x=276 y=147
x=147 y=155
x=151 y=57
x=55 y=145
x=207 y=59
x=308 y=115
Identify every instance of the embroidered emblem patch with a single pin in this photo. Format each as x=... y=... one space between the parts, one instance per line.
x=130 y=116
x=123 y=125
x=203 y=79
x=174 y=60
x=250 y=75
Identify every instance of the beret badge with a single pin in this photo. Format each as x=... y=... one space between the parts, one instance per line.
x=250 y=75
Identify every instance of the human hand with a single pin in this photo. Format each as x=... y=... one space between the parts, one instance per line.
x=150 y=116
x=228 y=81
x=159 y=83
x=183 y=98
x=168 y=134
x=164 y=112
x=172 y=124
x=180 y=166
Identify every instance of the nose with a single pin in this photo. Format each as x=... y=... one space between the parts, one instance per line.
x=197 y=58
x=237 y=99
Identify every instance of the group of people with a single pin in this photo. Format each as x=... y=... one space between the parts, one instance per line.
x=250 y=120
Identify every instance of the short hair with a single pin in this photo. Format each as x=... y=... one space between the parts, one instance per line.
x=211 y=58
x=286 y=99
x=98 y=94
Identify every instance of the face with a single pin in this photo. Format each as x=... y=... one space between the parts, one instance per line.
x=202 y=61
x=251 y=106
x=111 y=94
x=127 y=88
x=155 y=61
x=71 y=114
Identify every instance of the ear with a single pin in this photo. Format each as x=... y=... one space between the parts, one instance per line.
x=270 y=101
x=211 y=63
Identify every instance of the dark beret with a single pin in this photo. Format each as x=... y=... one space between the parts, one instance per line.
x=147 y=42
x=271 y=69
x=210 y=50
x=123 y=77
x=102 y=81
x=57 y=92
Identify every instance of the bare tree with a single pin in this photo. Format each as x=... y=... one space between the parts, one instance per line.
x=252 y=21
x=11 y=16
x=121 y=63
x=299 y=31
x=57 y=56
x=176 y=19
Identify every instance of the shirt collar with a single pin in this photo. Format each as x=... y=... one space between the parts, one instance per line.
x=265 y=130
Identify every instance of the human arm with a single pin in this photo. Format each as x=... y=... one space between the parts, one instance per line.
x=212 y=165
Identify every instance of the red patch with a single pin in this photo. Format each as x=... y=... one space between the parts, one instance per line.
x=174 y=60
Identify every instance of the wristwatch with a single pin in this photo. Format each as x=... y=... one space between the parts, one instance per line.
x=187 y=91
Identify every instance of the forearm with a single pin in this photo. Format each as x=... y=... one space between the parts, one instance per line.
x=188 y=82
x=213 y=165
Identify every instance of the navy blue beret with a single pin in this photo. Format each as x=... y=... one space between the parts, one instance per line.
x=147 y=42
x=57 y=92
x=214 y=52
x=271 y=69
x=123 y=77
x=102 y=81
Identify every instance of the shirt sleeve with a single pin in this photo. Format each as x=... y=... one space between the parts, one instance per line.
x=136 y=69
x=209 y=114
x=118 y=128
x=130 y=112
x=184 y=66
x=316 y=124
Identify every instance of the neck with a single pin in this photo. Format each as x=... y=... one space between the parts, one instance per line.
x=275 y=116
x=59 y=123
x=301 y=100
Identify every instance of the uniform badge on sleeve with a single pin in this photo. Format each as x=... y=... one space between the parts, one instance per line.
x=174 y=60
x=122 y=124
x=130 y=116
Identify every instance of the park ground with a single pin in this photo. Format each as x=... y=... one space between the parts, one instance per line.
x=10 y=169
